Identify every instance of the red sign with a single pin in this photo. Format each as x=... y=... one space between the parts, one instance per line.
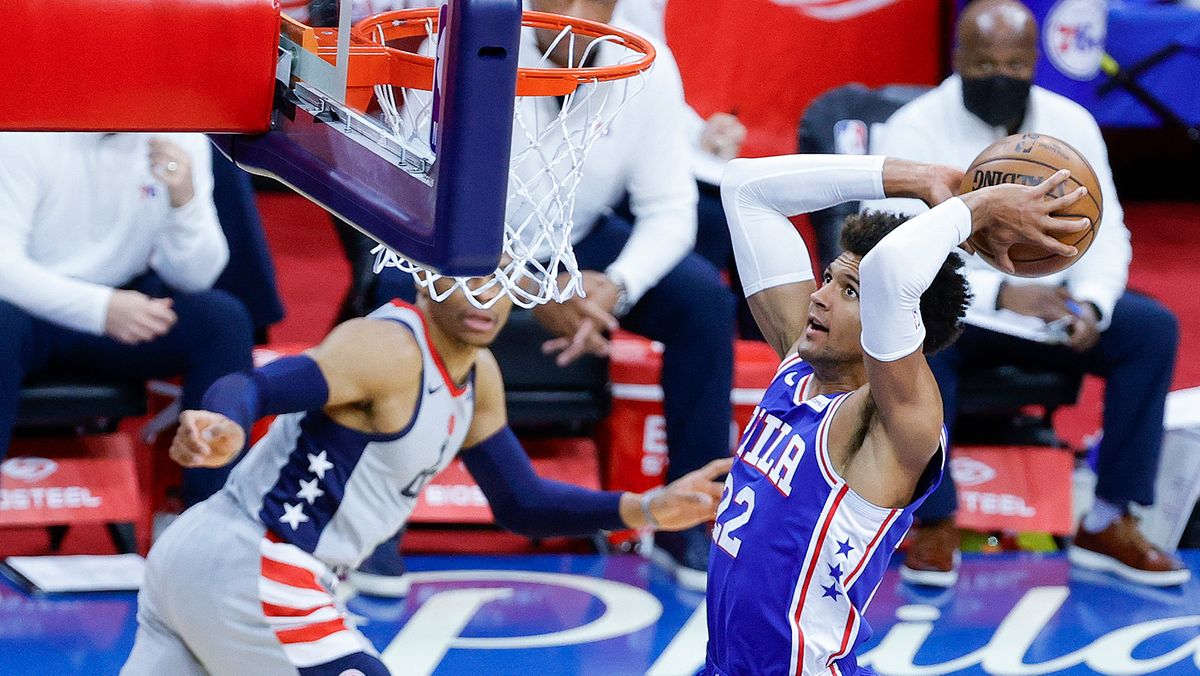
x=1014 y=488
x=635 y=431
x=69 y=480
x=765 y=60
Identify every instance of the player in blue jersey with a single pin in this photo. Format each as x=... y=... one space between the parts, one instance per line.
x=848 y=438
x=243 y=583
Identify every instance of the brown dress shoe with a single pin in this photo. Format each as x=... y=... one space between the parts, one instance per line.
x=1121 y=549
x=933 y=555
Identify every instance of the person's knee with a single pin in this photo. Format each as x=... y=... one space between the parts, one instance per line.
x=218 y=317
x=1146 y=331
x=1165 y=327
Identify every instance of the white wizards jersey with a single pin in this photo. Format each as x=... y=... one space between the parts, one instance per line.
x=336 y=492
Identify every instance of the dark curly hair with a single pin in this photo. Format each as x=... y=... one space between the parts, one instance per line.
x=943 y=304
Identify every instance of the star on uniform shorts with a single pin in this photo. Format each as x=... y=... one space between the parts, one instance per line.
x=835 y=572
x=844 y=547
x=831 y=591
x=317 y=464
x=293 y=515
x=309 y=490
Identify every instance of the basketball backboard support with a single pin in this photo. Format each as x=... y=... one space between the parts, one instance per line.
x=443 y=209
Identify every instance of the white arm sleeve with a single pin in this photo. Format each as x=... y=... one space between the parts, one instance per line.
x=760 y=194
x=894 y=274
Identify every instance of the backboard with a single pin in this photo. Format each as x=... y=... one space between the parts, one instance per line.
x=440 y=201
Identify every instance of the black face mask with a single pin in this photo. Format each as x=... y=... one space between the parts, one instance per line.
x=998 y=100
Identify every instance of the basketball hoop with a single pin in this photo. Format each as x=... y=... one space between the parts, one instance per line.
x=551 y=139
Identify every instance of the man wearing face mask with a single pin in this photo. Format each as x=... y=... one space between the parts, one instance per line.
x=1082 y=318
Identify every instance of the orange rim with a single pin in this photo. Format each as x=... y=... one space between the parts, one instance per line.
x=411 y=23
x=372 y=63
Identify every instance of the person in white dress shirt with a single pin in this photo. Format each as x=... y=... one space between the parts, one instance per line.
x=1083 y=318
x=109 y=246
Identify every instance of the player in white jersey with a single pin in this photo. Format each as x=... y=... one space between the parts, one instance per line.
x=847 y=439
x=243 y=583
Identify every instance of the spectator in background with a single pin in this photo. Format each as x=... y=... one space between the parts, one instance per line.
x=714 y=141
x=109 y=244
x=1082 y=318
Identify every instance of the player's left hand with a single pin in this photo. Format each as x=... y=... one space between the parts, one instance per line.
x=691 y=499
x=173 y=166
x=206 y=439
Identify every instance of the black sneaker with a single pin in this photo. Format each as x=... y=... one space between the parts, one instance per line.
x=383 y=572
x=685 y=555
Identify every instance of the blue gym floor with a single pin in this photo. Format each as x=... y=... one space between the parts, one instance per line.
x=609 y=616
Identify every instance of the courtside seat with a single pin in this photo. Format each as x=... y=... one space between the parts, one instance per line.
x=73 y=401
x=540 y=394
x=993 y=401
x=57 y=403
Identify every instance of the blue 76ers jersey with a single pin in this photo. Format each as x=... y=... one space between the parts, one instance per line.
x=796 y=554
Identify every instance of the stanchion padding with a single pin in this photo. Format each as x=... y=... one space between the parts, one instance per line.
x=139 y=65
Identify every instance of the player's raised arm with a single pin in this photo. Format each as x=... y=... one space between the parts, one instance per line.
x=772 y=260
x=896 y=273
x=336 y=373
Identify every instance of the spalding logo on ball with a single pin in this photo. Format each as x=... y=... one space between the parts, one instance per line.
x=1029 y=159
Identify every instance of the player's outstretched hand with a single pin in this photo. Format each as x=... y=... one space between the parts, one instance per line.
x=691 y=499
x=206 y=439
x=1008 y=214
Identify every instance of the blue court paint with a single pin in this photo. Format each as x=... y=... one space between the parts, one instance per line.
x=543 y=615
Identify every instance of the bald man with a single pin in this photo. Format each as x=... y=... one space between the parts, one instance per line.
x=1082 y=318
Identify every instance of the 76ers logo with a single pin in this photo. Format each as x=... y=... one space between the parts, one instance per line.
x=1073 y=37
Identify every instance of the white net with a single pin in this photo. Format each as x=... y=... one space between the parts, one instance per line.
x=551 y=140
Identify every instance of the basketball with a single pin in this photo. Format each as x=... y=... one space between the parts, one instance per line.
x=1029 y=159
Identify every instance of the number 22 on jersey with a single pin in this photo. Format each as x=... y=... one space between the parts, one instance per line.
x=723 y=531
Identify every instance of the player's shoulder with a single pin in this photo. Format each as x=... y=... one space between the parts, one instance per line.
x=385 y=339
